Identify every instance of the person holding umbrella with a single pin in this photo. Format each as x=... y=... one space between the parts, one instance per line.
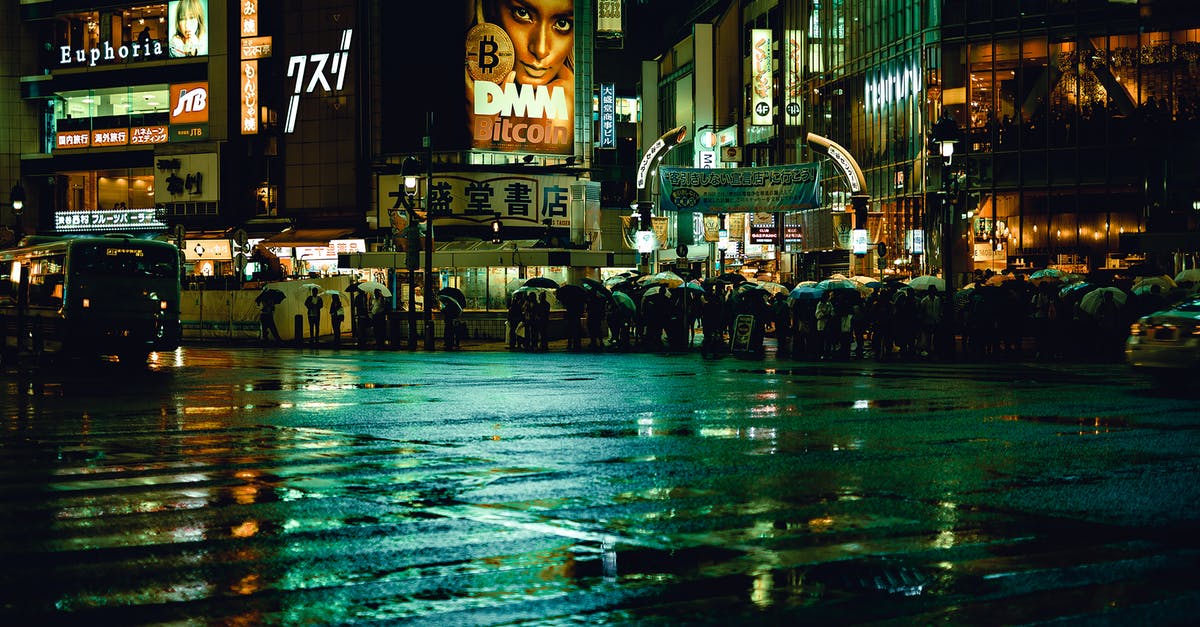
x=266 y=300
x=336 y=314
x=380 y=306
x=314 y=304
x=451 y=309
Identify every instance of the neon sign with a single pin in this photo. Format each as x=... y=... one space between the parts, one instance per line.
x=298 y=66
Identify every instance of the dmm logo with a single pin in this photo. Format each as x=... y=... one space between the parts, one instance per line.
x=189 y=103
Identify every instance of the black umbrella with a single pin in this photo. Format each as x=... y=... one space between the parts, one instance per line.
x=541 y=281
x=572 y=296
x=731 y=278
x=596 y=286
x=270 y=295
x=456 y=294
x=450 y=304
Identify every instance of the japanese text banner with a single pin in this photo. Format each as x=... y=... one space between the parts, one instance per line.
x=737 y=190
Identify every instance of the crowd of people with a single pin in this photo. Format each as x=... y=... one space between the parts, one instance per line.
x=992 y=317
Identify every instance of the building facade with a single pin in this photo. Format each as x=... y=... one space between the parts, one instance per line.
x=217 y=123
x=1077 y=119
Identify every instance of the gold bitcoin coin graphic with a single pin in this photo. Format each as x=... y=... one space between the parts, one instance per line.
x=489 y=53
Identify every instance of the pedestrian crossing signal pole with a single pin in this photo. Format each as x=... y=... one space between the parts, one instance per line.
x=945 y=135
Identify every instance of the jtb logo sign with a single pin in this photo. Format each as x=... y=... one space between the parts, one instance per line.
x=298 y=67
x=189 y=103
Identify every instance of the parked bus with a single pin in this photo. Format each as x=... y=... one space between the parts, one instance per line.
x=112 y=295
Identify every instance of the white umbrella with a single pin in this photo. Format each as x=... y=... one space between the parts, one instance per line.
x=1145 y=284
x=309 y=286
x=926 y=281
x=370 y=286
x=1091 y=301
x=332 y=292
x=1191 y=275
x=668 y=278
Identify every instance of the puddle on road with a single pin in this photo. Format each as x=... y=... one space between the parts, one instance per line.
x=276 y=385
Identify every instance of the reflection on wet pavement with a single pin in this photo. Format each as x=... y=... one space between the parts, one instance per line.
x=308 y=495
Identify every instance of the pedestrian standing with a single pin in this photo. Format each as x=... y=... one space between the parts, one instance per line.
x=542 y=319
x=450 y=322
x=781 y=313
x=826 y=323
x=362 y=317
x=380 y=306
x=336 y=315
x=266 y=315
x=314 y=304
x=516 y=315
x=712 y=321
x=595 y=321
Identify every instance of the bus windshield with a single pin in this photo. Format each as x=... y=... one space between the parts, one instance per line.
x=123 y=259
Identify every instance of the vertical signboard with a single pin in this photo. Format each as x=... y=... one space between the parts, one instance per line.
x=762 y=90
x=248 y=24
x=520 y=79
x=249 y=18
x=249 y=100
x=608 y=115
x=793 y=102
x=608 y=18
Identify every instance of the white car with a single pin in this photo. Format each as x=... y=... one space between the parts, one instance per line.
x=1167 y=339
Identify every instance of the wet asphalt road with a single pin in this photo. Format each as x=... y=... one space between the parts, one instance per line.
x=286 y=486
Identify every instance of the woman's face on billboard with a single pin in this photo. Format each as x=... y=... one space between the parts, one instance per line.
x=543 y=36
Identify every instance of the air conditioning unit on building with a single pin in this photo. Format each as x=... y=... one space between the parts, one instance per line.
x=584 y=207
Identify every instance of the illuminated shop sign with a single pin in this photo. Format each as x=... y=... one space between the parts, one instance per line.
x=316 y=67
x=189 y=111
x=249 y=21
x=111 y=137
x=519 y=101
x=253 y=48
x=477 y=197
x=73 y=139
x=762 y=89
x=256 y=47
x=608 y=115
x=138 y=135
x=793 y=78
x=148 y=134
x=336 y=247
x=108 y=220
x=764 y=228
x=249 y=99
x=891 y=85
x=106 y=53
x=211 y=249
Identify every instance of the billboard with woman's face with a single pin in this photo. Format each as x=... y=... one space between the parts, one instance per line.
x=188 y=28
x=520 y=76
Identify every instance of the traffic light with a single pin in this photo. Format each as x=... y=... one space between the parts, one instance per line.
x=881 y=249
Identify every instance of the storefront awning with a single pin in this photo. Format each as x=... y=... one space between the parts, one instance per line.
x=305 y=237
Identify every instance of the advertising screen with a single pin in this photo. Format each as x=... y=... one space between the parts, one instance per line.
x=520 y=75
x=188 y=20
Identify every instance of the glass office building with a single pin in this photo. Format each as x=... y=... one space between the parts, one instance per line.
x=1077 y=118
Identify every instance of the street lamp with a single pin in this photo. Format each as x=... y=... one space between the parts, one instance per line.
x=945 y=135
x=408 y=170
x=645 y=206
x=17 y=197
